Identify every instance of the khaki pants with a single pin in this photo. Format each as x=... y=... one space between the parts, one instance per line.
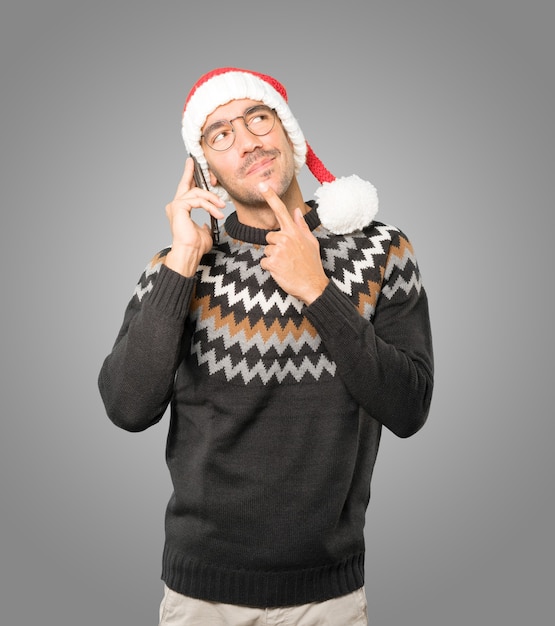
x=179 y=610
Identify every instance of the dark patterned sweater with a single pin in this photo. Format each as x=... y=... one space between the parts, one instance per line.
x=276 y=408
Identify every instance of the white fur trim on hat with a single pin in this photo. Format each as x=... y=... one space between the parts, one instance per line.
x=236 y=85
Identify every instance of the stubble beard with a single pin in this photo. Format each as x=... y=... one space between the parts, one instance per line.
x=250 y=197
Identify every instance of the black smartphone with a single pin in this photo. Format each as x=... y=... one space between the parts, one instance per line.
x=200 y=181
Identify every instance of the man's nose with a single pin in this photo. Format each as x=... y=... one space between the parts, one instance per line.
x=245 y=141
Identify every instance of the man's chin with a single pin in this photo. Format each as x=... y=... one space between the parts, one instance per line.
x=251 y=197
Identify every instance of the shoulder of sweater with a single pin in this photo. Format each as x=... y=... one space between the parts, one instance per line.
x=144 y=284
x=374 y=232
x=157 y=258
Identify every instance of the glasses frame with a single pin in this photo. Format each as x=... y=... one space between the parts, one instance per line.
x=242 y=117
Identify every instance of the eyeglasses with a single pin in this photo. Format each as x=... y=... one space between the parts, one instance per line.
x=259 y=120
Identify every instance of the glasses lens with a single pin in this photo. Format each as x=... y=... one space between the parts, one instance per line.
x=260 y=120
x=220 y=135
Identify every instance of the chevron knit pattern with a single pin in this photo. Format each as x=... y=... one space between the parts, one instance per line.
x=238 y=311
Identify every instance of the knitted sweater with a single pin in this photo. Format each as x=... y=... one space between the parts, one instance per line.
x=276 y=408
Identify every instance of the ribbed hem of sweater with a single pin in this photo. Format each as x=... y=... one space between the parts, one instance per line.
x=264 y=589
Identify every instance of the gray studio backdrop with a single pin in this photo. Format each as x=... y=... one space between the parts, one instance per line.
x=448 y=108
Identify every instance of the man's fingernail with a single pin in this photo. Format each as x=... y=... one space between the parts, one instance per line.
x=263 y=187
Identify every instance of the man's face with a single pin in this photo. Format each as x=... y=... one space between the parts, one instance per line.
x=251 y=159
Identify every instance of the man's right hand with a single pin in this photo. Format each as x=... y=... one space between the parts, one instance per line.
x=189 y=240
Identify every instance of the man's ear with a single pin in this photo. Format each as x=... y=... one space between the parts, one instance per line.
x=213 y=179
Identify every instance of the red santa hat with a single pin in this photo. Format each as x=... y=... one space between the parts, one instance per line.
x=345 y=204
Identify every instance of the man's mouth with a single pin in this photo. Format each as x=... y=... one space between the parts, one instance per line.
x=259 y=166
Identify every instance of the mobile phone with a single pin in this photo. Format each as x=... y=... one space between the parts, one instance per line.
x=200 y=181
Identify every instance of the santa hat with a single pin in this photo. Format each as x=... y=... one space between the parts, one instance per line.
x=344 y=204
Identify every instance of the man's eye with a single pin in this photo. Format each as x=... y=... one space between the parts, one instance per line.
x=221 y=135
x=259 y=118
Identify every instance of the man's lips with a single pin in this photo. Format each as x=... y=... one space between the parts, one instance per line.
x=260 y=165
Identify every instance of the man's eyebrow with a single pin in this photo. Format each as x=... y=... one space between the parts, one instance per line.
x=215 y=125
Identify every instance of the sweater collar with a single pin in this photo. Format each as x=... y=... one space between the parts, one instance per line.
x=249 y=234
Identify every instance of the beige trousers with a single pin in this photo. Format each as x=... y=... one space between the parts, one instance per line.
x=179 y=610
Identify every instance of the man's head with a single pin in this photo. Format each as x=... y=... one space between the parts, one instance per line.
x=344 y=204
x=244 y=144
x=220 y=87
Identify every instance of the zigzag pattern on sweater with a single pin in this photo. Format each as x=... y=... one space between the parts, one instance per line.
x=247 y=330
x=402 y=261
x=149 y=274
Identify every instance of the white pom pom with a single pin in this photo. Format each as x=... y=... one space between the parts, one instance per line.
x=347 y=204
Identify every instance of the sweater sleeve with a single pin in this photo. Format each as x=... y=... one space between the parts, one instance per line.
x=386 y=364
x=136 y=378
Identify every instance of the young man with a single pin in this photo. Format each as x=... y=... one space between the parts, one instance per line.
x=283 y=349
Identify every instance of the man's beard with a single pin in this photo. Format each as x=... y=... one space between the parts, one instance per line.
x=250 y=197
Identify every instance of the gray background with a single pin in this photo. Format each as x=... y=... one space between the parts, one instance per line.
x=448 y=108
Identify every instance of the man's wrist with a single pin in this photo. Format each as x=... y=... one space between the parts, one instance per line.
x=315 y=291
x=183 y=260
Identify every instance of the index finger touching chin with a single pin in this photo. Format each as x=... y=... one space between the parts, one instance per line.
x=275 y=203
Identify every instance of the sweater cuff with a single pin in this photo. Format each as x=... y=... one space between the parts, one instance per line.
x=331 y=312
x=171 y=293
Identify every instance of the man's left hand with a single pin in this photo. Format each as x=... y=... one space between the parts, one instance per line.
x=293 y=252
